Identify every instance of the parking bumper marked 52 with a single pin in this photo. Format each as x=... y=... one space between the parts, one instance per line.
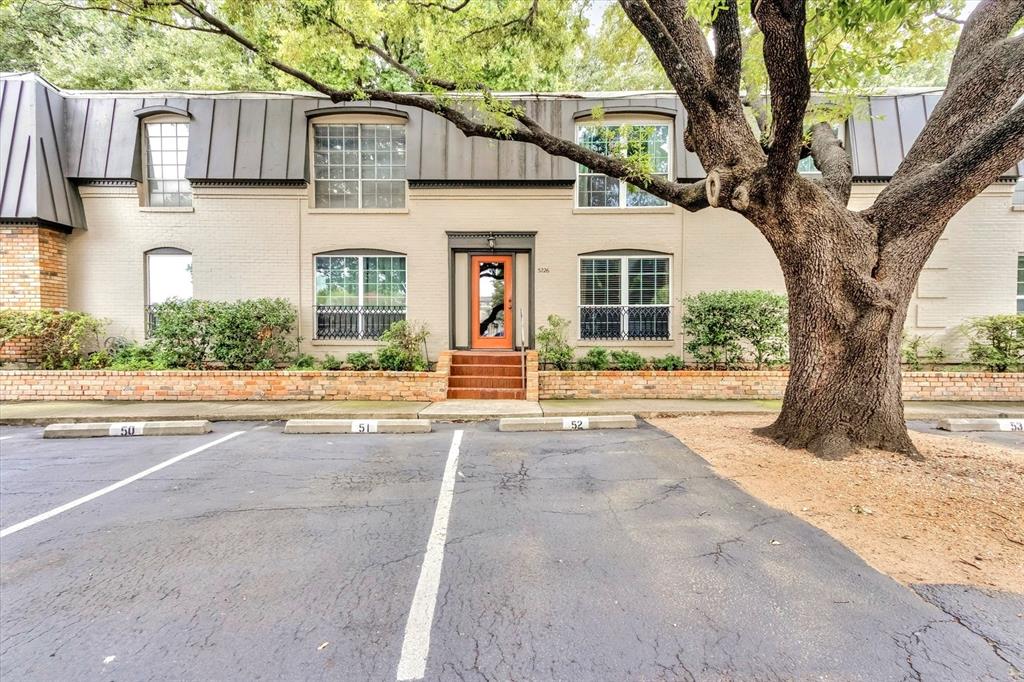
x=114 y=486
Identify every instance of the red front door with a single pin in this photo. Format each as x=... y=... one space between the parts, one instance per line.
x=491 y=283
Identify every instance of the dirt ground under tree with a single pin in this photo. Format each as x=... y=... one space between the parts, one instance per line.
x=956 y=517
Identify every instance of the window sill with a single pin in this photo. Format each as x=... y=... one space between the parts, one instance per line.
x=345 y=342
x=630 y=210
x=620 y=343
x=397 y=211
x=167 y=209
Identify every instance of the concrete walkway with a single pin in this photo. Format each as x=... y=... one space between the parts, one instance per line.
x=47 y=412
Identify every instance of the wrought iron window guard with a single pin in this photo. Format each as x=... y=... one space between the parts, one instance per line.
x=355 y=322
x=626 y=322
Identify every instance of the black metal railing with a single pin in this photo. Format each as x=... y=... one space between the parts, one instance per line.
x=355 y=322
x=631 y=322
x=150 y=320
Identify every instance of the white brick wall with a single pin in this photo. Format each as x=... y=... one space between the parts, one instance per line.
x=260 y=242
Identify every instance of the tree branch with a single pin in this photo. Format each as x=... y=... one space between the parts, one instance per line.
x=991 y=20
x=931 y=198
x=833 y=161
x=728 y=47
x=789 y=79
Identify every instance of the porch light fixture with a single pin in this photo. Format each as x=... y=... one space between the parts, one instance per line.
x=490 y=242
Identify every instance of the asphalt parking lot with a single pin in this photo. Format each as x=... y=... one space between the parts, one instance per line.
x=596 y=555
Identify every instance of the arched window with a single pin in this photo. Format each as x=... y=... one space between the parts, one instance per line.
x=625 y=296
x=647 y=139
x=168 y=275
x=359 y=294
x=166 y=150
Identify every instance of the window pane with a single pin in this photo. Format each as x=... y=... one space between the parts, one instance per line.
x=384 y=281
x=169 y=276
x=648 y=281
x=596 y=191
x=166 y=153
x=337 y=280
x=600 y=281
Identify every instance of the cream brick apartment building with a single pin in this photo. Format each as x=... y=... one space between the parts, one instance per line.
x=362 y=214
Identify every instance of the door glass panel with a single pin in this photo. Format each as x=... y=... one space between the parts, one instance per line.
x=491 y=280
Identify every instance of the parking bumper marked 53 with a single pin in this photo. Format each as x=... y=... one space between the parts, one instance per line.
x=114 y=486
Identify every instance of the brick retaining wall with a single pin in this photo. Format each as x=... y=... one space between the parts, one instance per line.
x=226 y=385
x=762 y=385
x=433 y=386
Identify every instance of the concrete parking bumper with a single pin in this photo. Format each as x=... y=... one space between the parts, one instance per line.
x=579 y=423
x=127 y=429
x=981 y=424
x=357 y=426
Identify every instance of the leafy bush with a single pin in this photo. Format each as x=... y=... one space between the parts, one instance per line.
x=245 y=334
x=183 y=331
x=330 y=363
x=727 y=327
x=628 y=361
x=360 y=361
x=916 y=348
x=302 y=363
x=135 y=357
x=668 y=363
x=596 y=360
x=552 y=347
x=996 y=342
x=63 y=336
x=250 y=332
x=403 y=348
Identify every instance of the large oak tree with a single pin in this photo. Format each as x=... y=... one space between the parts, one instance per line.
x=849 y=274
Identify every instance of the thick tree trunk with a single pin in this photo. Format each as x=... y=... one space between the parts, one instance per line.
x=844 y=389
x=844 y=386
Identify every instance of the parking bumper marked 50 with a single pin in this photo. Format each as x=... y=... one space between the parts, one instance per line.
x=416 y=643
x=114 y=486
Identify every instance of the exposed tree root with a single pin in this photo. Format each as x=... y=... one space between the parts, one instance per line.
x=837 y=443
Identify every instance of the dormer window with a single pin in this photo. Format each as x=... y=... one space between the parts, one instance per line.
x=166 y=151
x=646 y=141
x=358 y=165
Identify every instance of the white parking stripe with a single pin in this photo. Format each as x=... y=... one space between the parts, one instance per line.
x=111 y=488
x=5 y=437
x=416 y=644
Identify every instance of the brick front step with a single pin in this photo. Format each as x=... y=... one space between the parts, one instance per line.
x=483 y=358
x=487 y=370
x=486 y=393
x=485 y=382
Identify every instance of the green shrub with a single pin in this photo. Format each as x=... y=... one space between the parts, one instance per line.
x=727 y=327
x=996 y=342
x=552 y=347
x=302 y=363
x=134 y=357
x=916 y=348
x=63 y=336
x=596 y=360
x=183 y=331
x=245 y=334
x=628 y=361
x=360 y=361
x=330 y=363
x=403 y=348
x=254 y=331
x=668 y=363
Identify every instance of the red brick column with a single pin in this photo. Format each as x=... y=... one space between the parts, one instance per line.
x=33 y=267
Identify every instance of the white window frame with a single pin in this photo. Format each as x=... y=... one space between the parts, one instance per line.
x=360 y=257
x=148 y=273
x=145 y=198
x=1020 y=296
x=358 y=120
x=623 y=185
x=623 y=296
